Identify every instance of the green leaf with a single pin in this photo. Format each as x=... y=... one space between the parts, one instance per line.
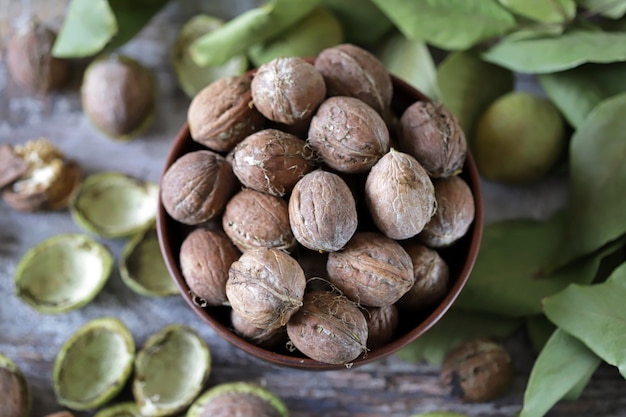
x=546 y=11
x=468 y=85
x=254 y=26
x=595 y=315
x=132 y=16
x=411 y=61
x=596 y=206
x=539 y=330
x=88 y=27
x=535 y=32
x=448 y=24
x=455 y=327
x=511 y=277
x=577 y=91
x=607 y=8
x=562 y=366
x=551 y=54
x=362 y=21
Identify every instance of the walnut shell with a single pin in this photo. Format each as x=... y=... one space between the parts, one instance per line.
x=257 y=220
x=455 y=213
x=328 y=328
x=371 y=270
x=30 y=62
x=272 y=161
x=432 y=134
x=267 y=339
x=11 y=165
x=205 y=258
x=348 y=134
x=322 y=211
x=221 y=115
x=477 y=370
x=265 y=287
x=287 y=90
x=399 y=195
x=350 y=70
x=382 y=323
x=196 y=187
x=432 y=277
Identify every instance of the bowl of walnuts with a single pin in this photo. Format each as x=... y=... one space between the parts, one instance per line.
x=319 y=213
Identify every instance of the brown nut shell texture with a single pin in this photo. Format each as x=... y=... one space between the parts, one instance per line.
x=432 y=277
x=265 y=287
x=205 y=258
x=322 y=212
x=221 y=115
x=257 y=220
x=272 y=161
x=328 y=328
x=477 y=370
x=348 y=134
x=400 y=195
x=287 y=90
x=196 y=187
x=350 y=70
x=238 y=404
x=455 y=213
x=267 y=339
x=382 y=323
x=432 y=134
x=372 y=270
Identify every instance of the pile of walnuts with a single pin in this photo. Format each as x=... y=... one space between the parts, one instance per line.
x=317 y=212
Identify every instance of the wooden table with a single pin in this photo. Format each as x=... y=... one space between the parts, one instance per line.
x=389 y=388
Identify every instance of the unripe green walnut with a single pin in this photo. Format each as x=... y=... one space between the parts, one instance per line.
x=518 y=139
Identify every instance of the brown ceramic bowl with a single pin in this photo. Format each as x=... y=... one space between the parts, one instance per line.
x=460 y=258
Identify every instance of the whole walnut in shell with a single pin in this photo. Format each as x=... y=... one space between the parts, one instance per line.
x=371 y=269
x=477 y=370
x=400 y=195
x=455 y=213
x=348 y=134
x=265 y=287
x=432 y=134
x=118 y=94
x=205 y=258
x=382 y=323
x=196 y=187
x=322 y=211
x=287 y=90
x=30 y=62
x=257 y=220
x=432 y=277
x=221 y=115
x=271 y=161
x=350 y=70
x=267 y=339
x=328 y=328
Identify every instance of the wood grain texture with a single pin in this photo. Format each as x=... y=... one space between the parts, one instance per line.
x=390 y=388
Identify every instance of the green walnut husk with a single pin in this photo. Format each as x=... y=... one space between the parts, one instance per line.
x=233 y=393
x=170 y=371
x=112 y=204
x=63 y=273
x=16 y=398
x=191 y=77
x=127 y=409
x=142 y=267
x=94 y=364
x=308 y=37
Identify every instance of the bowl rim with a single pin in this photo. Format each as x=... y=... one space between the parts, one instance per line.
x=469 y=173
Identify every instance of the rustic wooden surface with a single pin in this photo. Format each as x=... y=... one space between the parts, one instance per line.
x=389 y=388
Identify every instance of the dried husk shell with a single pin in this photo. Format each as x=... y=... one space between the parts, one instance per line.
x=221 y=115
x=455 y=213
x=328 y=328
x=322 y=211
x=238 y=399
x=126 y=409
x=197 y=186
x=16 y=396
x=348 y=134
x=399 y=195
x=265 y=287
x=272 y=161
x=432 y=134
x=371 y=270
x=205 y=258
x=256 y=220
